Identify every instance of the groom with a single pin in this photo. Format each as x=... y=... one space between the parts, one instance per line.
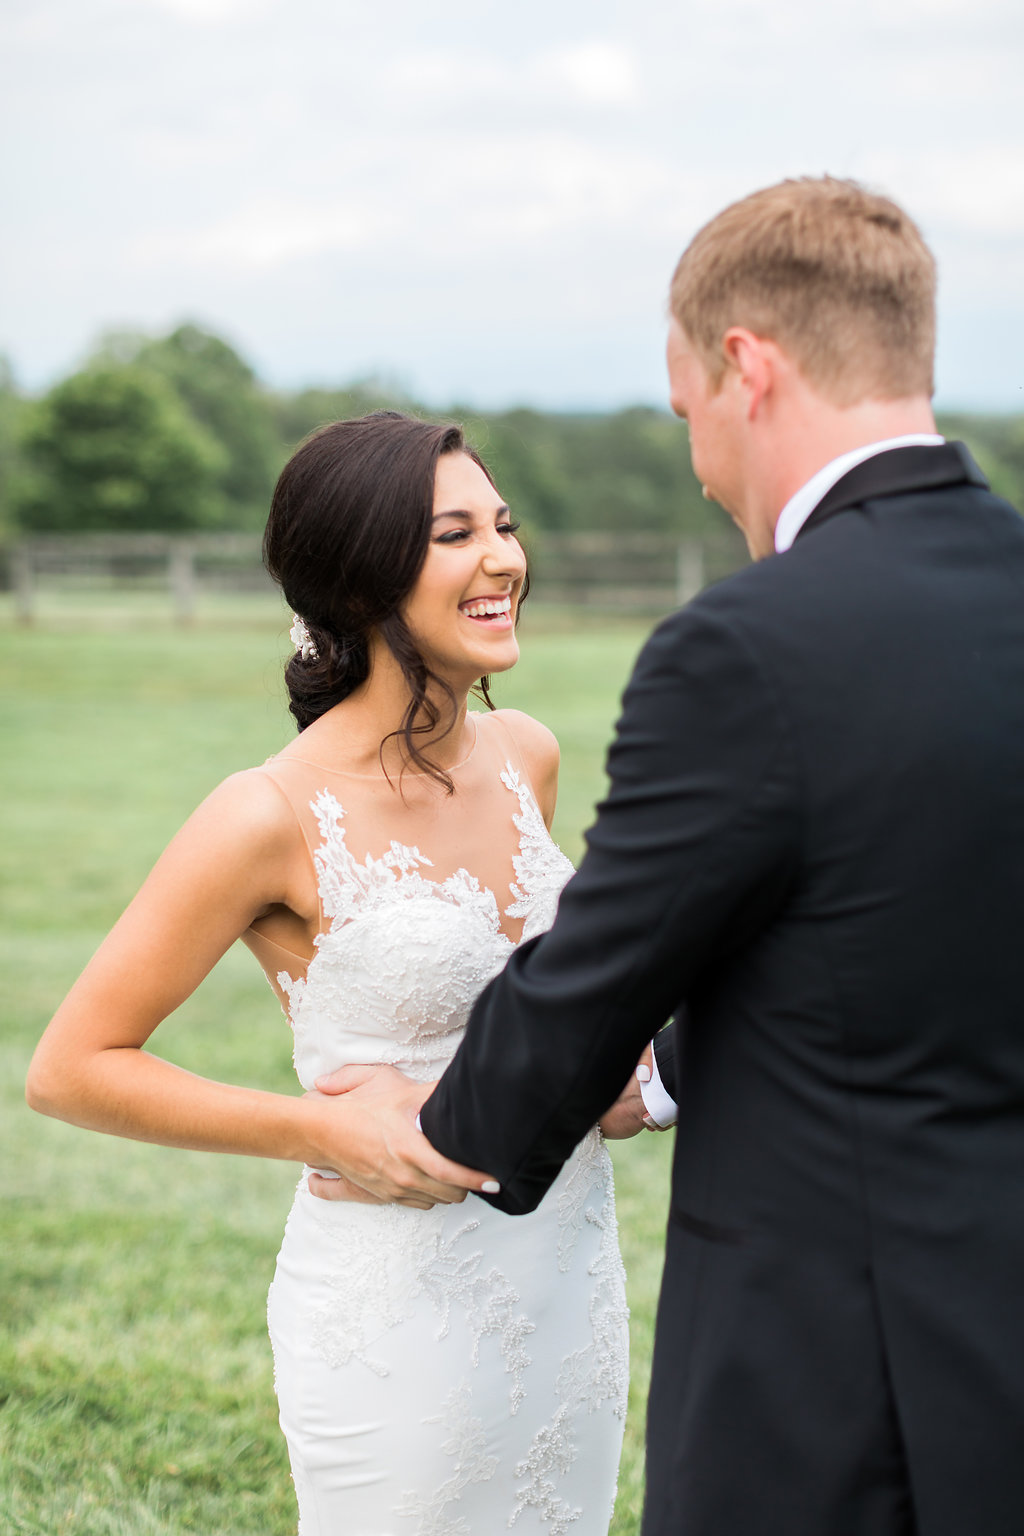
x=814 y=839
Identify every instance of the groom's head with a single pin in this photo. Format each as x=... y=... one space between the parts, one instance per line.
x=803 y=325
x=837 y=276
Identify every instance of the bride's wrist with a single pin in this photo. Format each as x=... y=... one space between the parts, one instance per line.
x=319 y=1121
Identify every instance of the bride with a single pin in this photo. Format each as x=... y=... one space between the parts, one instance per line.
x=442 y=1369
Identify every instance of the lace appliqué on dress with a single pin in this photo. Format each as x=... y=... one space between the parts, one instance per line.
x=597 y=1373
x=466 y=1443
x=488 y=1301
x=589 y=1167
x=541 y=867
x=553 y=1450
x=404 y=959
x=348 y=889
x=387 y=1258
x=381 y=1253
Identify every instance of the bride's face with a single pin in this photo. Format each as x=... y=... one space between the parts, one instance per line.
x=461 y=612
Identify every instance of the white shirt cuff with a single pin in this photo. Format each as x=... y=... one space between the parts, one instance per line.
x=658 y=1102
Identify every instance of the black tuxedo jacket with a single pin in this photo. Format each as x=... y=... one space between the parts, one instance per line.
x=814 y=835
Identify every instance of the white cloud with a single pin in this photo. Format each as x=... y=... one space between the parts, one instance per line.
x=850 y=18
x=977 y=191
x=598 y=73
x=211 y=12
x=264 y=236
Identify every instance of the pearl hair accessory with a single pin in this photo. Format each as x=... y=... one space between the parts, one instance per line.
x=302 y=640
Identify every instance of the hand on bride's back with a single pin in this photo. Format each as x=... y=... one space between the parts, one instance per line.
x=370 y=1139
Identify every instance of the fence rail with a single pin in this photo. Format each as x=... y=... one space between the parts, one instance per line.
x=631 y=572
x=179 y=566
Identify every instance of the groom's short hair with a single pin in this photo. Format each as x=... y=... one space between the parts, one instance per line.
x=838 y=276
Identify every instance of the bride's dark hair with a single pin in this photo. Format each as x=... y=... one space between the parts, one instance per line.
x=348 y=533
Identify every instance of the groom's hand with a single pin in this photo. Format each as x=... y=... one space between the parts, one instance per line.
x=371 y=1139
x=628 y=1115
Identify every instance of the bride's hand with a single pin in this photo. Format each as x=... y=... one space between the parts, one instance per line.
x=371 y=1139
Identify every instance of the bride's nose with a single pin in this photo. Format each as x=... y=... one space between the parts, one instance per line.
x=504 y=557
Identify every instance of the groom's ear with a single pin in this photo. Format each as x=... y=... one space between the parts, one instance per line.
x=752 y=364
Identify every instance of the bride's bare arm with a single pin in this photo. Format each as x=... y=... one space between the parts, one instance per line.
x=232 y=862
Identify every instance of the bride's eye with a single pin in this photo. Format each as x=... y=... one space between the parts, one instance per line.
x=509 y=528
x=455 y=536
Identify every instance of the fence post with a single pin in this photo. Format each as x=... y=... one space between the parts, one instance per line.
x=24 y=593
x=182 y=576
x=689 y=570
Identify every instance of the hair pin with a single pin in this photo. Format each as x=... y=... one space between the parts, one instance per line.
x=302 y=639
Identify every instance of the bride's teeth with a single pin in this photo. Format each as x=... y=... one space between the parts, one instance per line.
x=488 y=608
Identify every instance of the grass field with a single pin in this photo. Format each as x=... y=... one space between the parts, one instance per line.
x=135 y=1374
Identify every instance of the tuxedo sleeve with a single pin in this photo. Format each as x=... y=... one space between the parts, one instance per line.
x=691 y=850
x=666 y=1055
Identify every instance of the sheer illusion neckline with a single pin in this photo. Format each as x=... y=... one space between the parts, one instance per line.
x=350 y=773
x=348 y=885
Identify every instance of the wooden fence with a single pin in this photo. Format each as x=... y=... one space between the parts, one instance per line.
x=180 y=567
x=627 y=573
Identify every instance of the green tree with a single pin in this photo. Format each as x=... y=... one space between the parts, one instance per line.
x=112 y=448
x=223 y=395
x=997 y=442
x=297 y=415
x=11 y=408
x=521 y=450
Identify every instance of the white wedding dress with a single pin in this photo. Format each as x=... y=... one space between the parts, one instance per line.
x=457 y=1371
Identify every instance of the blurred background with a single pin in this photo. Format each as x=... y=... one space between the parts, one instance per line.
x=228 y=221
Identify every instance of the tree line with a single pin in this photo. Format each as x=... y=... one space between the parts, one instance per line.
x=176 y=433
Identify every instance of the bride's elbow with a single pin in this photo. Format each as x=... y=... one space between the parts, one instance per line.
x=46 y=1087
x=37 y=1094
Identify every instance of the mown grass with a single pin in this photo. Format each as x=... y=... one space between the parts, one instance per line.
x=135 y=1376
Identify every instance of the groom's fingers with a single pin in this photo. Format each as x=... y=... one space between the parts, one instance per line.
x=411 y=1170
x=373 y=1139
x=416 y=1172
x=437 y=1166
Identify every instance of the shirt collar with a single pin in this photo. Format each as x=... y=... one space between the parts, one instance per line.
x=800 y=506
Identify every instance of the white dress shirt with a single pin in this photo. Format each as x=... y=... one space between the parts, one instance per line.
x=658 y=1102
x=800 y=506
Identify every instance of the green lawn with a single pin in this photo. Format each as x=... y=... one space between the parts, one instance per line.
x=135 y=1374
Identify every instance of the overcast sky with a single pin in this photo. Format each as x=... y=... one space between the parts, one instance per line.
x=482 y=201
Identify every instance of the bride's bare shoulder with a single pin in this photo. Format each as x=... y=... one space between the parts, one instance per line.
x=531 y=737
x=247 y=807
x=238 y=854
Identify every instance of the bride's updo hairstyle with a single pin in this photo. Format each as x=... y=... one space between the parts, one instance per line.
x=348 y=533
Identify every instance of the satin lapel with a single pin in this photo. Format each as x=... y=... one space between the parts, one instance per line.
x=894 y=473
